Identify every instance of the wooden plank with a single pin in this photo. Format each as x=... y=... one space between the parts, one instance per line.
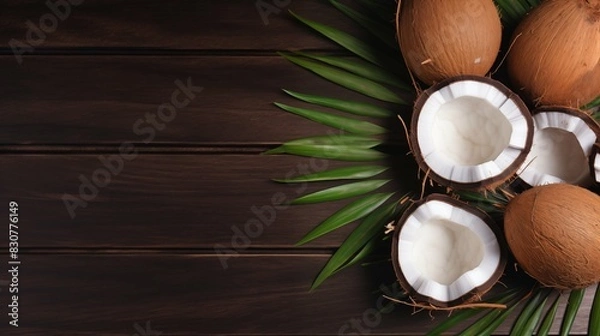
x=172 y=25
x=193 y=295
x=174 y=201
x=107 y=99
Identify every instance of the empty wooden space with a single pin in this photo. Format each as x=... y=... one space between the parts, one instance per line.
x=154 y=250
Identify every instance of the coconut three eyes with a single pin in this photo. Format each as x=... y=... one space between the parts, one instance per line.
x=440 y=39
x=555 y=54
x=554 y=233
x=446 y=252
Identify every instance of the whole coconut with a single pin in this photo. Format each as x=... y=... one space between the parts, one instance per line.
x=440 y=39
x=555 y=55
x=554 y=233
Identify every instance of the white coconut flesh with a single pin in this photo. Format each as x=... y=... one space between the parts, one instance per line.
x=597 y=166
x=562 y=145
x=444 y=252
x=470 y=131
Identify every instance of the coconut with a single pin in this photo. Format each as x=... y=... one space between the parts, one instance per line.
x=440 y=39
x=554 y=233
x=470 y=132
x=563 y=139
x=446 y=253
x=595 y=163
x=555 y=56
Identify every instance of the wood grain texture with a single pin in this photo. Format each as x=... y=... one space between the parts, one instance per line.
x=83 y=99
x=192 y=294
x=127 y=25
x=183 y=201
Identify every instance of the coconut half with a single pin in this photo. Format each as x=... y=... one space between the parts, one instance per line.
x=563 y=139
x=470 y=132
x=446 y=252
x=595 y=163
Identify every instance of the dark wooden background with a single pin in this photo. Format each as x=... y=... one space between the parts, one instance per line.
x=140 y=259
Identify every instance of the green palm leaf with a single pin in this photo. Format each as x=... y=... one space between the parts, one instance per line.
x=354 y=107
x=350 y=140
x=375 y=27
x=384 y=12
x=346 y=173
x=500 y=318
x=340 y=192
x=534 y=318
x=465 y=314
x=486 y=324
x=346 y=79
x=573 y=305
x=477 y=328
x=360 y=68
x=594 y=328
x=526 y=314
x=342 y=123
x=512 y=11
x=544 y=328
x=594 y=103
x=365 y=232
x=362 y=254
x=332 y=152
x=348 y=214
x=354 y=45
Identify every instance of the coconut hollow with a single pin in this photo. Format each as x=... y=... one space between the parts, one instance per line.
x=554 y=233
x=470 y=132
x=440 y=39
x=563 y=140
x=446 y=253
x=555 y=53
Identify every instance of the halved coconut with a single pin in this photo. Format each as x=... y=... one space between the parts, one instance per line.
x=595 y=163
x=446 y=252
x=470 y=132
x=562 y=144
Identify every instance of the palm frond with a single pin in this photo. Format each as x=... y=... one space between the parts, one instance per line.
x=512 y=11
x=487 y=321
x=594 y=325
x=546 y=324
x=340 y=192
x=351 y=125
x=377 y=28
x=347 y=79
x=529 y=316
x=351 y=140
x=352 y=249
x=346 y=173
x=498 y=320
x=575 y=299
x=465 y=314
x=383 y=11
x=353 y=107
x=348 y=214
x=360 y=68
x=367 y=51
x=332 y=152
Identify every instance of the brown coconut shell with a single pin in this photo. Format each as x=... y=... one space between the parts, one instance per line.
x=477 y=292
x=554 y=233
x=440 y=39
x=488 y=184
x=555 y=53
